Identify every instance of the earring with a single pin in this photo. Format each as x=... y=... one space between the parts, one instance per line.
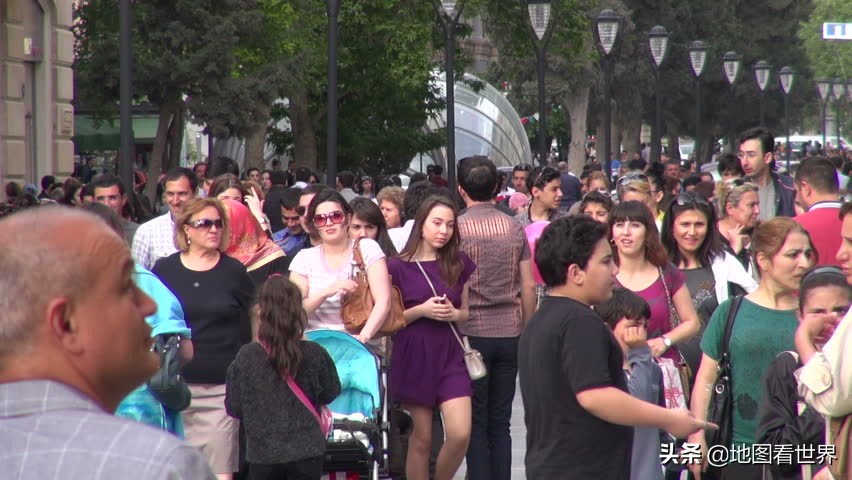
x=188 y=241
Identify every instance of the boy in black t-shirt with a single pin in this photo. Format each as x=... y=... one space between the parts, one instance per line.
x=577 y=410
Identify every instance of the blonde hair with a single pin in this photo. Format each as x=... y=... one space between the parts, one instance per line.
x=596 y=176
x=191 y=208
x=393 y=194
x=730 y=194
x=633 y=182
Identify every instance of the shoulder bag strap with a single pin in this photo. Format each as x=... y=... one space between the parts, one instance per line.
x=356 y=254
x=465 y=346
x=674 y=318
x=303 y=398
x=729 y=327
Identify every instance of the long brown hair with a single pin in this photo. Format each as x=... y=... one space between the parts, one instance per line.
x=636 y=211
x=282 y=323
x=448 y=255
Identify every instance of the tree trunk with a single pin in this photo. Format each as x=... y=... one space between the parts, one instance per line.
x=176 y=130
x=155 y=168
x=305 y=148
x=674 y=142
x=576 y=106
x=256 y=140
x=631 y=133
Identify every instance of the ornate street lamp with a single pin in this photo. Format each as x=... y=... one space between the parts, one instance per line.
x=762 y=70
x=787 y=75
x=731 y=63
x=539 y=12
x=824 y=90
x=607 y=25
x=697 y=59
x=451 y=11
x=658 y=42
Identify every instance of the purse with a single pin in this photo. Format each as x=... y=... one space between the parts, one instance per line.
x=358 y=305
x=323 y=415
x=167 y=385
x=683 y=367
x=472 y=358
x=721 y=406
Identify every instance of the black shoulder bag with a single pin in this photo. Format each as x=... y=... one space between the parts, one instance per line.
x=167 y=385
x=721 y=406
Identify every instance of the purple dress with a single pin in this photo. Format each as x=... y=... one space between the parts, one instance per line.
x=427 y=363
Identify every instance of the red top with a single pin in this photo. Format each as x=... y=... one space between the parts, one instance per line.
x=822 y=223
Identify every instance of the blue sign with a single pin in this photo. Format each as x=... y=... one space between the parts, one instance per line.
x=837 y=31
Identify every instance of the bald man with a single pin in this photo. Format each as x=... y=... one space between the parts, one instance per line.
x=73 y=343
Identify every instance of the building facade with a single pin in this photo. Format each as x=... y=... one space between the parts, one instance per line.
x=36 y=89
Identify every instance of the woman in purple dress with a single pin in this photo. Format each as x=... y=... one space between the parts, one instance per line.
x=427 y=362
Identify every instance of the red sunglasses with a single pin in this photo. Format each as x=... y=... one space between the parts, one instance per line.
x=336 y=218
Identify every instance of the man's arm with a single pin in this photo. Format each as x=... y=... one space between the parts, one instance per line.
x=527 y=290
x=824 y=380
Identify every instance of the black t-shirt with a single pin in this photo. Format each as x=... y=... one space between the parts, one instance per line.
x=567 y=349
x=216 y=306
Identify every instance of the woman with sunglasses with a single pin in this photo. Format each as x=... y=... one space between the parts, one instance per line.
x=368 y=222
x=739 y=209
x=644 y=268
x=545 y=187
x=596 y=205
x=764 y=326
x=637 y=186
x=215 y=292
x=427 y=363
x=824 y=298
x=712 y=274
x=324 y=273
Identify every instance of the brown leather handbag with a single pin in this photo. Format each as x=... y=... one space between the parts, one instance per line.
x=358 y=305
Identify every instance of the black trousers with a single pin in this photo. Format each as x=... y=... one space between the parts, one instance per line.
x=307 y=469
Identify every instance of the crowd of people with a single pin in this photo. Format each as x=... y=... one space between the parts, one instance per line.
x=595 y=294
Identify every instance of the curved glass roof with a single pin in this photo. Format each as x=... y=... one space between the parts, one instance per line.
x=486 y=124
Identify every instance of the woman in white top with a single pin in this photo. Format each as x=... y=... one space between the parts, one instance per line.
x=324 y=273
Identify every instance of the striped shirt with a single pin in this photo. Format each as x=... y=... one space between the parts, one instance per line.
x=49 y=430
x=497 y=245
x=154 y=239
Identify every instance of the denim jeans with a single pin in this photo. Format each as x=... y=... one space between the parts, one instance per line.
x=489 y=456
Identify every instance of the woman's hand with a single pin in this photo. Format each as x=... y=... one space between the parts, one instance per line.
x=657 y=347
x=736 y=238
x=438 y=308
x=255 y=205
x=343 y=287
x=362 y=338
x=696 y=468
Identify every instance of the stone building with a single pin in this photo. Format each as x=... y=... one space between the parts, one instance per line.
x=36 y=89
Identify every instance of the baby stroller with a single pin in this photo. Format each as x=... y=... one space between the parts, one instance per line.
x=357 y=446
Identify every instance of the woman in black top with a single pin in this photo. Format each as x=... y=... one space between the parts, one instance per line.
x=283 y=437
x=215 y=292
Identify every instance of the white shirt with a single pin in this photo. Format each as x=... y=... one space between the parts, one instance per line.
x=399 y=235
x=154 y=240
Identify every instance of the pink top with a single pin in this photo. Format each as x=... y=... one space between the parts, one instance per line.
x=310 y=262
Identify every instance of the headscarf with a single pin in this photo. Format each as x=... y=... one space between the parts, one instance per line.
x=248 y=242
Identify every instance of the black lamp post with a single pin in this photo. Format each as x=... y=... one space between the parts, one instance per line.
x=450 y=13
x=332 y=10
x=824 y=90
x=787 y=75
x=125 y=87
x=539 y=11
x=761 y=76
x=838 y=87
x=608 y=23
x=697 y=59
x=658 y=42
x=731 y=63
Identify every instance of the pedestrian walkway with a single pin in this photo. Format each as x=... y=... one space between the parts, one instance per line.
x=519 y=440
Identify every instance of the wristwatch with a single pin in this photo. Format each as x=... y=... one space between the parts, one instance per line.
x=667 y=341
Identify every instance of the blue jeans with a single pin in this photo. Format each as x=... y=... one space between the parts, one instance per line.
x=489 y=456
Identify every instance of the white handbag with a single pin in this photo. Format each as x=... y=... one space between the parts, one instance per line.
x=472 y=358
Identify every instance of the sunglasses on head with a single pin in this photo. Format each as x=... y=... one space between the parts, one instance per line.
x=739 y=182
x=690 y=198
x=336 y=218
x=632 y=177
x=206 y=223
x=524 y=167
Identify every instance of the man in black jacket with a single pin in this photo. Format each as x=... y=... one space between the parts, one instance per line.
x=776 y=192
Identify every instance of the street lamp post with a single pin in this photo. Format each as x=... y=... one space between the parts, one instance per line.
x=697 y=59
x=761 y=75
x=787 y=75
x=539 y=12
x=332 y=10
x=125 y=82
x=658 y=42
x=608 y=23
x=838 y=87
x=731 y=63
x=451 y=10
x=824 y=90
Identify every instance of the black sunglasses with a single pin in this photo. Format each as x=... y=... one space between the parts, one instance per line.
x=633 y=177
x=687 y=198
x=524 y=167
x=207 y=223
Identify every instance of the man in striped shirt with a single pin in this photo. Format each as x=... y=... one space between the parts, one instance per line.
x=502 y=300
